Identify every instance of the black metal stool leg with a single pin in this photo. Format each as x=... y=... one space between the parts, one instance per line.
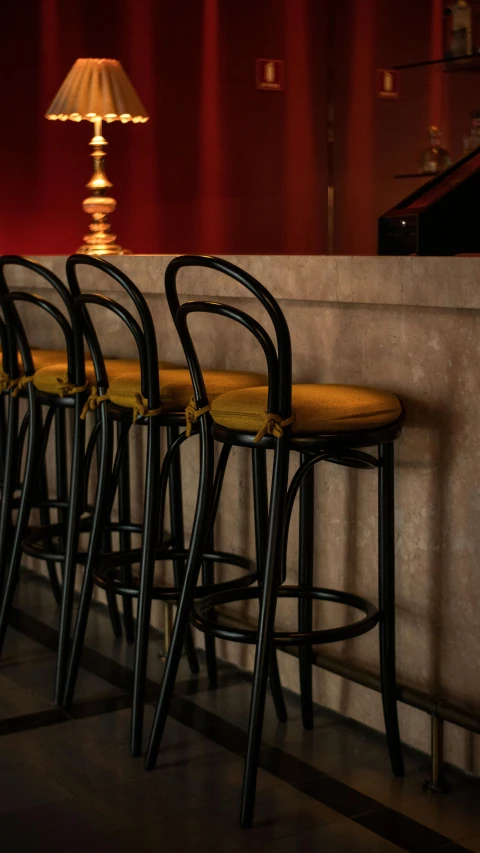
x=75 y=506
x=101 y=513
x=3 y=435
x=112 y=602
x=386 y=560
x=61 y=466
x=178 y=535
x=124 y=513
x=198 y=541
x=210 y=643
x=32 y=466
x=42 y=488
x=147 y=570
x=305 y=579
x=208 y=576
x=8 y=486
x=44 y=514
x=260 y=505
x=266 y=627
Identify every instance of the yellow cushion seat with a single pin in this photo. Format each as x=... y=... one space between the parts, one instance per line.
x=51 y=379
x=176 y=387
x=41 y=359
x=44 y=357
x=316 y=409
x=125 y=388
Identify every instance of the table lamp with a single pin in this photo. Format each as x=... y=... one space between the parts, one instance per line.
x=98 y=90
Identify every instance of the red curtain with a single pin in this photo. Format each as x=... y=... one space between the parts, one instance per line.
x=220 y=167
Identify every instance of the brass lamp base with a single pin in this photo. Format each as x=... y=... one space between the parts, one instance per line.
x=100 y=240
x=102 y=248
x=105 y=249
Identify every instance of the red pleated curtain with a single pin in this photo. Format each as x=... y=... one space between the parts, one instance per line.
x=220 y=167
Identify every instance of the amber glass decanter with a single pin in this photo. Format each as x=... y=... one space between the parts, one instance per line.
x=434 y=159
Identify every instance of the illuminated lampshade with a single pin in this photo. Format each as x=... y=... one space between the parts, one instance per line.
x=98 y=90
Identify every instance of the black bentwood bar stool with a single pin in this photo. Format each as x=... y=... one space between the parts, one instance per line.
x=144 y=394
x=14 y=428
x=30 y=433
x=329 y=423
x=45 y=380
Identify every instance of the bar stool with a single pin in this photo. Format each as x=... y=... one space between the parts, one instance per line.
x=18 y=360
x=9 y=414
x=143 y=396
x=45 y=378
x=322 y=423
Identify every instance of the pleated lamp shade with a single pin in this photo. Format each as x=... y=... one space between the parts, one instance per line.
x=97 y=88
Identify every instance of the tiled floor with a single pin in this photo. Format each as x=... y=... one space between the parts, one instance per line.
x=68 y=783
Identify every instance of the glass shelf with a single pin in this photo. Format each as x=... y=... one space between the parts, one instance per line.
x=468 y=62
x=419 y=175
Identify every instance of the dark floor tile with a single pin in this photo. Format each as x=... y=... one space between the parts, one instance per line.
x=410 y=834
x=342 y=837
x=232 y=703
x=115 y=726
x=17 y=701
x=28 y=786
x=287 y=767
x=456 y=848
x=200 y=830
x=95 y=769
x=11 y=759
x=470 y=843
x=65 y=740
x=40 y=678
x=133 y=803
x=180 y=743
x=16 y=643
x=37 y=720
x=336 y=749
x=279 y=812
x=336 y=795
x=6 y=683
x=68 y=825
x=456 y=814
x=213 y=778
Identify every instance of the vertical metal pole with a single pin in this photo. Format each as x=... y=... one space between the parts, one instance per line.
x=167 y=626
x=437 y=783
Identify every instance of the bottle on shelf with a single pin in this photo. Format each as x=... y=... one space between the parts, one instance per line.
x=457 y=29
x=434 y=159
x=471 y=140
x=476 y=26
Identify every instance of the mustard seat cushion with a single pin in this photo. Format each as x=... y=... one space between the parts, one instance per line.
x=316 y=408
x=44 y=357
x=176 y=386
x=41 y=359
x=52 y=379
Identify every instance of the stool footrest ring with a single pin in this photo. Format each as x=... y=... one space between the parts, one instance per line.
x=202 y=621
x=107 y=573
x=39 y=537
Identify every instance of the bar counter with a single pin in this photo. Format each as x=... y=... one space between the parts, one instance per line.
x=409 y=325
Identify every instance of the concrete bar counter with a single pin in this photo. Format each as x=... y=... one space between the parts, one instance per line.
x=410 y=325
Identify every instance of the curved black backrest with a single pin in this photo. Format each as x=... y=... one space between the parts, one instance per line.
x=278 y=354
x=143 y=332
x=15 y=336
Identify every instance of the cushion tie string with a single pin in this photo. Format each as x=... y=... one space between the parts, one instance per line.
x=192 y=414
x=93 y=402
x=66 y=389
x=21 y=384
x=273 y=425
x=140 y=409
x=5 y=382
